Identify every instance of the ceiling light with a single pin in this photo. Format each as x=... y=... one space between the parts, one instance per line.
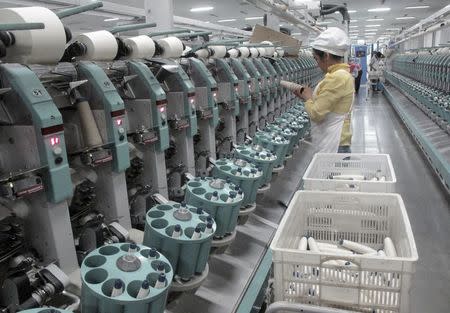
x=373 y=25
x=228 y=20
x=379 y=10
x=352 y=11
x=405 y=18
x=418 y=7
x=296 y=34
x=392 y=28
x=202 y=9
x=254 y=18
x=111 y=19
x=323 y=23
x=353 y=21
x=354 y=26
x=375 y=19
x=370 y=34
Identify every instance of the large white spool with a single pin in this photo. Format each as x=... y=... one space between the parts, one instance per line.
x=280 y=52
x=219 y=52
x=254 y=53
x=172 y=47
x=202 y=53
x=100 y=46
x=245 y=52
x=234 y=53
x=141 y=47
x=262 y=52
x=39 y=46
x=269 y=50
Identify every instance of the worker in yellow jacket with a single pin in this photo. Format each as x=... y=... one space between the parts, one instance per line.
x=329 y=105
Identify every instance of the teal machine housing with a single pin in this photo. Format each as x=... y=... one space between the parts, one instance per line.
x=103 y=90
x=229 y=106
x=245 y=99
x=276 y=143
x=287 y=133
x=256 y=83
x=246 y=176
x=104 y=266
x=48 y=124
x=148 y=125
x=188 y=256
x=282 y=92
x=182 y=121
x=220 y=200
x=206 y=92
x=263 y=158
x=274 y=104
x=265 y=91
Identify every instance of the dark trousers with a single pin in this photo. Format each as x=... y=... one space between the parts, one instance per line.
x=344 y=149
x=358 y=81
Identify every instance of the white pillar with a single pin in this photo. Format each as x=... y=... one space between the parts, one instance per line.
x=273 y=21
x=159 y=12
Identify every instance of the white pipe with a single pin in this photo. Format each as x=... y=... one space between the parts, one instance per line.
x=428 y=30
x=268 y=5
x=184 y=21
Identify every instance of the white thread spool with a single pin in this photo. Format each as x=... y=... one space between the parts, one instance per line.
x=245 y=52
x=100 y=46
x=140 y=47
x=312 y=245
x=38 y=46
x=172 y=47
x=269 y=50
x=202 y=53
x=219 y=52
x=357 y=247
x=389 y=248
x=89 y=128
x=254 y=53
x=291 y=86
x=303 y=244
x=280 y=52
x=262 y=52
x=234 y=53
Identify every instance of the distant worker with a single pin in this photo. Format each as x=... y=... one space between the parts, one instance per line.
x=376 y=70
x=330 y=104
x=356 y=71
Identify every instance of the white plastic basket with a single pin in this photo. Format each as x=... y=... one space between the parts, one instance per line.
x=325 y=165
x=372 y=284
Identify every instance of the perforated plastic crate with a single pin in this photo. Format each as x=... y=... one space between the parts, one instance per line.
x=324 y=166
x=372 y=283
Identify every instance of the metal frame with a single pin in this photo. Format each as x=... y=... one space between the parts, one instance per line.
x=437 y=161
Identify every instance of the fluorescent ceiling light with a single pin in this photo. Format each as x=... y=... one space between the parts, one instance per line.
x=354 y=26
x=353 y=21
x=295 y=34
x=202 y=9
x=392 y=28
x=373 y=25
x=370 y=34
x=352 y=11
x=375 y=19
x=379 y=10
x=405 y=18
x=254 y=18
x=323 y=23
x=227 y=20
x=418 y=7
x=111 y=19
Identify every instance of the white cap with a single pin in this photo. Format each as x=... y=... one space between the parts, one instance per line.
x=333 y=40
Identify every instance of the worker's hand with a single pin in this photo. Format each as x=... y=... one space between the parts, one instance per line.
x=306 y=94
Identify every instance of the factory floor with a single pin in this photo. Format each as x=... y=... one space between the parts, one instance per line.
x=377 y=129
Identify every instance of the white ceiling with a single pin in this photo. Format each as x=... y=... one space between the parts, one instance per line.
x=240 y=9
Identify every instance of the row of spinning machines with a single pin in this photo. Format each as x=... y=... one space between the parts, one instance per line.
x=100 y=131
x=424 y=76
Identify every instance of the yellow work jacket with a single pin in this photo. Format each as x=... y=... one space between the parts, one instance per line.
x=334 y=94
